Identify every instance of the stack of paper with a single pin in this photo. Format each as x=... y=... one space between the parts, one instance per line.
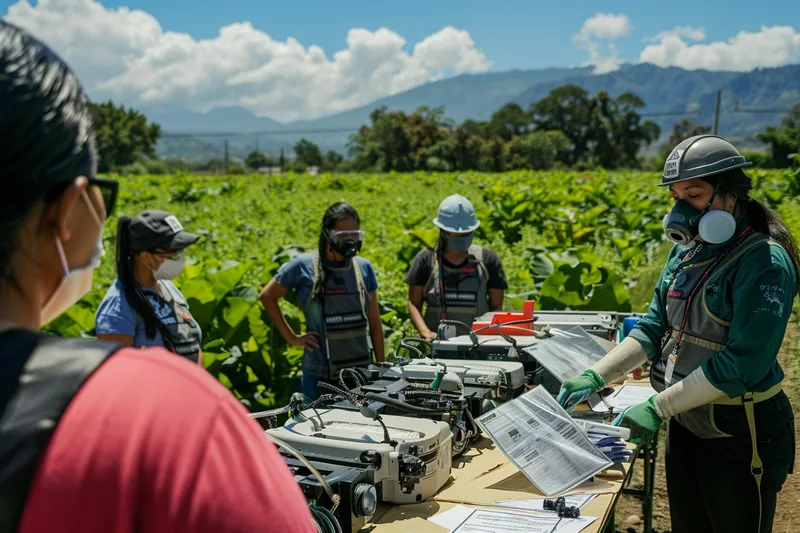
x=461 y=519
x=625 y=396
x=541 y=439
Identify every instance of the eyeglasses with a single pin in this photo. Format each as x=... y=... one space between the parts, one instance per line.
x=347 y=235
x=109 y=189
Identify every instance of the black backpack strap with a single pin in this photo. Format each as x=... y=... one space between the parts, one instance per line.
x=53 y=371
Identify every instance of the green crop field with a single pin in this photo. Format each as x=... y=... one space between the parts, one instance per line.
x=567 y=240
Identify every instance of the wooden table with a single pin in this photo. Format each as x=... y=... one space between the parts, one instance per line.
x=484 y=476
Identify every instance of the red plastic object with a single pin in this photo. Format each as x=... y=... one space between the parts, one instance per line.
x=523 y=329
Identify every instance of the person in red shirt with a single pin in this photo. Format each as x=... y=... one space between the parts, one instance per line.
x=96 y=437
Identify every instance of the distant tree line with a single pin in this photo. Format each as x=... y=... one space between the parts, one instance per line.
x=567 y=129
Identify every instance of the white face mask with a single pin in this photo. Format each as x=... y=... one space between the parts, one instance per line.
x=76 y=282
x=169 y=269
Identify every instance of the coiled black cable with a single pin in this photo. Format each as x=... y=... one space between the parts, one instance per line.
x=350 y=395
x=404 y=406
x=360 y=380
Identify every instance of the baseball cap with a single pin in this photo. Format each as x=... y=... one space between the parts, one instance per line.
x=153 y=229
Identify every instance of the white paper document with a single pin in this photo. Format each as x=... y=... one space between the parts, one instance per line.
x=574 y=525
x=537 y=504
x=541 y=439
x=567 y=353
x=461 y=519
x=488 y=521
x=625 y=396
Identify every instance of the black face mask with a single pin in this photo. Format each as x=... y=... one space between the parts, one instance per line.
x=348 y=248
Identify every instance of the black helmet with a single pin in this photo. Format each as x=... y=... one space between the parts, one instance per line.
x=701 y=156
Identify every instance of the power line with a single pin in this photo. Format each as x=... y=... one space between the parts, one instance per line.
x=259 y=133
x=670 y=113
x=323 y=131
x=763 y=111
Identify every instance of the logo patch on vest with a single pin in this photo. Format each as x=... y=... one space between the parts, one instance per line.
x=461 y=296
x=334 y=291
x=344 y=319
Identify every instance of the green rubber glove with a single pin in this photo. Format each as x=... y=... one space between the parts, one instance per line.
x=575 y=390
x=642 y=419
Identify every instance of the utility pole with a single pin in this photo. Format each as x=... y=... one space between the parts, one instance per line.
x=716 y=112
x=257 y=138
x=227 y=156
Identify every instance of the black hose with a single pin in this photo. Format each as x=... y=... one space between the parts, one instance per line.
x=404 y=406
x=359 y=380
x=350 y=395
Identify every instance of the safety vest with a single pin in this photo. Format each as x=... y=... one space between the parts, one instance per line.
x=52 y=370
x=181 y=335
x=703 y=333
x=465 y=290
x=345 y=315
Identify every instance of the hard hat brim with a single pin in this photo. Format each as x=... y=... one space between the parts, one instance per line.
x=701 y=175
x=468 y=229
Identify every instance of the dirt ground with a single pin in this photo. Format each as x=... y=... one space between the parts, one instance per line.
x=787 y=517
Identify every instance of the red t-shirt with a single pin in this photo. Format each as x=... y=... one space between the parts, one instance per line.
x=152 y=443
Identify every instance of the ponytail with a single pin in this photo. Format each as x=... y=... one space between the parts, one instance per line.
x=133 y=292
x=765 y=220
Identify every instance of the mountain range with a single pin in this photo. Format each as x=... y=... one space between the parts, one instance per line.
x=750 y=102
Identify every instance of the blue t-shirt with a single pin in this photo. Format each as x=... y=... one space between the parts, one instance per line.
x=298 y=275
x=116 y=316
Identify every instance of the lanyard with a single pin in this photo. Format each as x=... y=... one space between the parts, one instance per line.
x=442 y=295
x=720 y=258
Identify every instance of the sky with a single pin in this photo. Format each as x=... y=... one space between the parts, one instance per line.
x=304 y=59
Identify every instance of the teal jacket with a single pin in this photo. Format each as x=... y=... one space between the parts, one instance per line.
x=755 y=297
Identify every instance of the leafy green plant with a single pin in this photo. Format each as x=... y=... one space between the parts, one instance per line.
x=578 y=240
x=577 y=280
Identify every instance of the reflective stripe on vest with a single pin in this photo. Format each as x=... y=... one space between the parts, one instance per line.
x=345 y=315
x=181 y=334
x=704 y=334
x=53 y=369
x=465 y=290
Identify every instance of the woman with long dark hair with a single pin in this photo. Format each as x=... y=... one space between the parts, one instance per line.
x=713 y=331
x=96 y=436
x=337 y=290
x=143 y=307
x=457 y=280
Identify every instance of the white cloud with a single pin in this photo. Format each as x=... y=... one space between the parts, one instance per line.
x=773 y=46
x=690 y=32
x=602 y=27
x=125 y=54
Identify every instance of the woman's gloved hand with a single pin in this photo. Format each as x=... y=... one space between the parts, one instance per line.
x=575 y=390
x=642 y=419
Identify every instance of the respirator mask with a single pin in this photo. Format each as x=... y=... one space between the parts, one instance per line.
x=346 y=242
x=684 y=223
x=459 y=243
